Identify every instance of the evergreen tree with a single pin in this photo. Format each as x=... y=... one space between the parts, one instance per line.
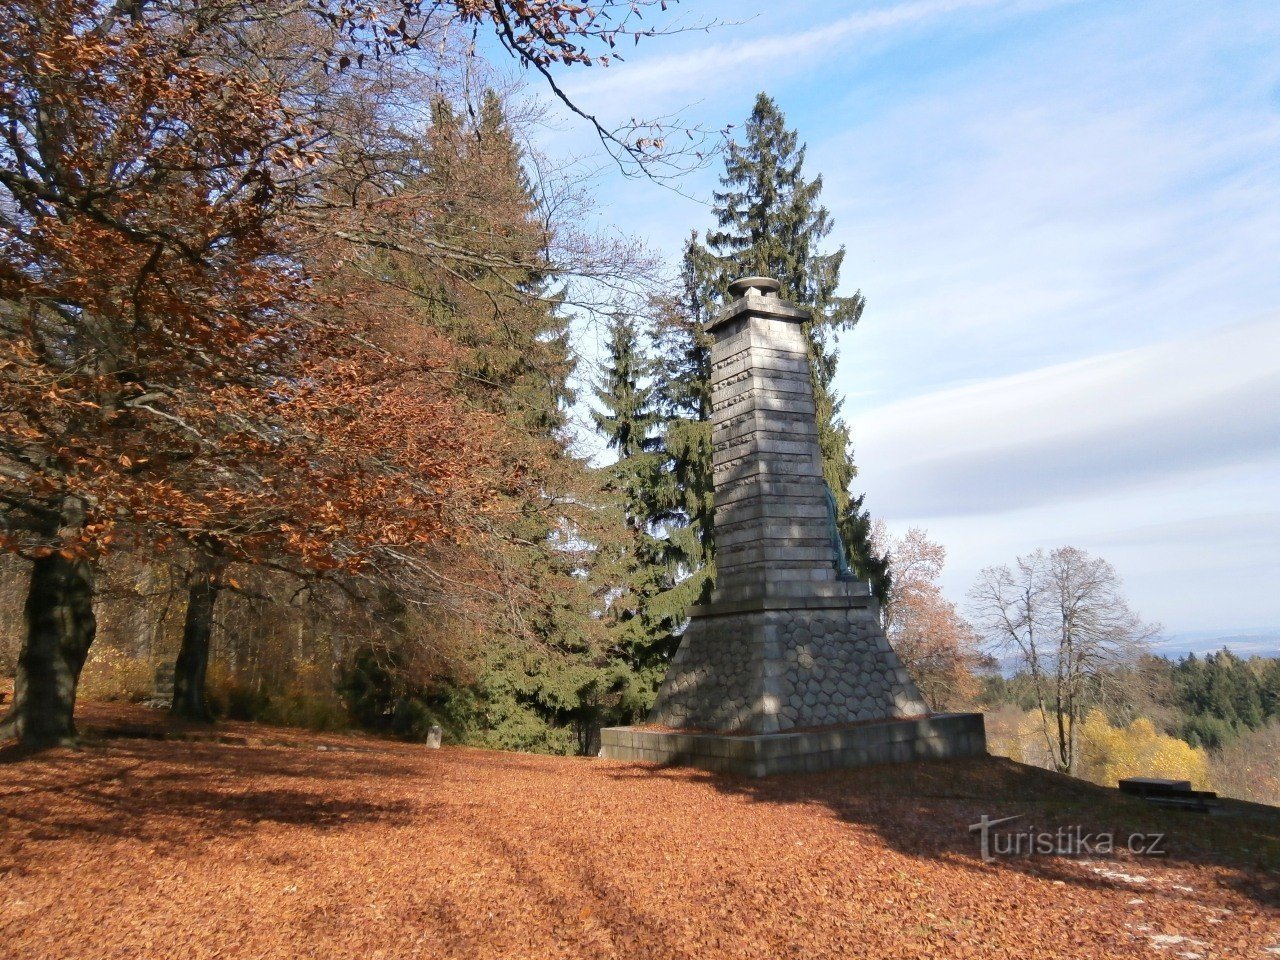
x=770 y=222
x=1269 y=686
x=684 y=494
x=1233 y=690
x=627 y=418
x=541 y=677
x=1221 y=695
x=501 y=308
x=855 y=531
x=642 y=632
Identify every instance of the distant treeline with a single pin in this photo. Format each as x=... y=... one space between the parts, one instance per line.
x=1207 y=701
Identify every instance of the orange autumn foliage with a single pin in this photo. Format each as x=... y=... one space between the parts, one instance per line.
x=178 y=189
x=166 y=363
x=282 y=841
x=935 y=642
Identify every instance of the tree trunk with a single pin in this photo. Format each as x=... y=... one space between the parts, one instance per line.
x=1073 y=735
x=1064 y=743
x=193 y=657
x=60 y=630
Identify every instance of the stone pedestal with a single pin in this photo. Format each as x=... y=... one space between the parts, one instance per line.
x=789 y=640
x=767 y=671
x=938 y=737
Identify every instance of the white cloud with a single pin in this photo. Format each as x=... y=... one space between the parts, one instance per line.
x=1078 y=429
x=1059 y=222
x=1164 y=459
x=716 y=66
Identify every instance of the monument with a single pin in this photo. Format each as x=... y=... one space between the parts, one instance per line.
x=786 y=667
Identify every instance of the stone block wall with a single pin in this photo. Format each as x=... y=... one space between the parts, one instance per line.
x=838 y=667
x=939 y=737
x=773 y=520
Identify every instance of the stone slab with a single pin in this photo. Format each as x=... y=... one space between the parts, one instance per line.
x=770 y=551
x=937 y=737
x=784 y=466
x=830 y=595
x=743 y=308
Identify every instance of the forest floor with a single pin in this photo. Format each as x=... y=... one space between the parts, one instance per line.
x=280 y=843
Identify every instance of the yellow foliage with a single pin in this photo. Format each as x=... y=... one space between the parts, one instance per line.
x=1108 y=754
x=1105 y=754
x=1019 y=735
x=111 y=674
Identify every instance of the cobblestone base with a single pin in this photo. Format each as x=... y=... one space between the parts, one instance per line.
x=769 y=671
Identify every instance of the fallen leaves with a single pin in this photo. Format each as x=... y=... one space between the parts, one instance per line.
x=205 y=849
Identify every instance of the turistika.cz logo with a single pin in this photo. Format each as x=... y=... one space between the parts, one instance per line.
x=1062 y=842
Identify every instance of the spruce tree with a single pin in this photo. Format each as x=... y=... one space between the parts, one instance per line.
x=541 y=678
x=1269 y=687
x=855 y=530
x=684 y=495
x=770 y=222
x=643 y=633
x=627 y=418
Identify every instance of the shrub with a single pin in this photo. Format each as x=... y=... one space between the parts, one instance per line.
x=303 y=708
x=111 y=674
x=232 y=698
x=380 y=697
x=303 y=701
x=1018 y=735
x=1108 y=754
x=1248 y=767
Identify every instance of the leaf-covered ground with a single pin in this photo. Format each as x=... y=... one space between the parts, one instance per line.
x=283 y=844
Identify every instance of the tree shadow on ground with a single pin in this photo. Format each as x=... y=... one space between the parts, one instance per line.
x=924 y=810
x=520 y=817
x=171 y=793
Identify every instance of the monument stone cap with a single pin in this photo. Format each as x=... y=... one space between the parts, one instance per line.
x=757 y=296
x=766 y=285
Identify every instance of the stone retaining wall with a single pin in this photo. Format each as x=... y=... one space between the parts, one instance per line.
x=940 y=737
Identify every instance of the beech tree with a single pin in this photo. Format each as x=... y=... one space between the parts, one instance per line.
x=935 y=643
x=1061 y=616
x=138 y=183
x=170 y=371
x=204 y=582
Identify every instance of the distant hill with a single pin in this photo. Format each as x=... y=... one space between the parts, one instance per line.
x=1263 y=643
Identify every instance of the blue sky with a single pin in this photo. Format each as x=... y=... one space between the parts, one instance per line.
x=1065 y=217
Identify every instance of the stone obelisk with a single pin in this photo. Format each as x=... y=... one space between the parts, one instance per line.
x=789 y=646
x=789 y=638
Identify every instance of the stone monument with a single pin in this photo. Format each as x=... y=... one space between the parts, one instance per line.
x=786 y=667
